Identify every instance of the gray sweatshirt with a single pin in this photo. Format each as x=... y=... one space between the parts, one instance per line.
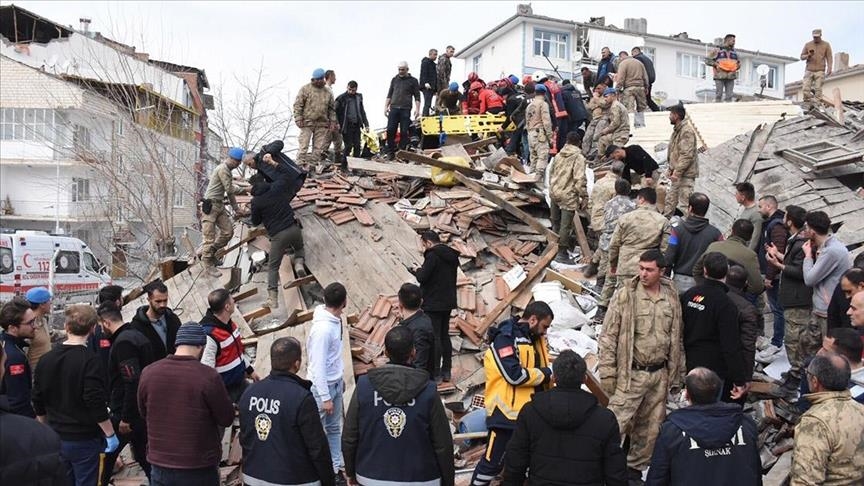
x=832 y=261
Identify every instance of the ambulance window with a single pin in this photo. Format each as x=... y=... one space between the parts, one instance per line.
x=90 y=263
x=68 y=262
x=6 y=264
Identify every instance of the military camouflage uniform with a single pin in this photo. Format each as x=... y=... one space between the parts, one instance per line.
x=641 y=330
x=315 y=109
x=641 y=229
x=797 y=319
x=538 y=124
x=221 y=183
x=336 y=136
x=603 y=191
x=568 y=189
x=598 y=122
x=829 y=442
x=614 y=209
x=618 y=130
x=684 y=162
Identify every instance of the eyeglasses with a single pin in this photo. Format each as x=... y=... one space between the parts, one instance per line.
x=31 y=323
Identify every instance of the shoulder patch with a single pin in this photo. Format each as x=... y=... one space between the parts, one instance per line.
x=104 y=343
x=506 y=351
x=17 y=369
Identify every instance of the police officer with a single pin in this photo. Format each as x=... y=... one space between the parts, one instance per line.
x=272 y=412
x=397 y=418
x=216 y=218
x=17 y=320
x=517 y=366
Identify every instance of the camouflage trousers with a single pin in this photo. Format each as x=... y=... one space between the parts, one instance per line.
x=810 y=340
x=320 y=139
x=589 y=141
x=610 y=285
x=601 y=258
x=812 y=82
x=634 y=99
x=217 y=220
x=678 y=196
x=539 y=145
x=796 y=322
x=640 y=411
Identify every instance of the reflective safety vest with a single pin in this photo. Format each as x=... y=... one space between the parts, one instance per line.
x=229 y=354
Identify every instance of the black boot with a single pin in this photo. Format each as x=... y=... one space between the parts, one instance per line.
x=590 y=271
x=563 y=257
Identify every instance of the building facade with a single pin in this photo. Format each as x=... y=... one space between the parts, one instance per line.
x=517 y=46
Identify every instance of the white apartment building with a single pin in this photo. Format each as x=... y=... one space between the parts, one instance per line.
x=516 y=46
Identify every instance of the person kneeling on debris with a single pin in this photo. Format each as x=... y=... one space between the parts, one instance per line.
x=517 y=367
x=565 y=415
x=213 y=206
x=568 y=190
x=271 y=205
x=414 y=433
x=707 y=443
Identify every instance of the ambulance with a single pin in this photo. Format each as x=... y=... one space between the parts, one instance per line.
x=63 y=264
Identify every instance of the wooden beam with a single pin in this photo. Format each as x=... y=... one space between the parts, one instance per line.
x=398 y=168
x=259 y=312
x=535 y=272
x=581 y=238
x=510 y=208
x=254 y=233
x=299 y=281
x=593 y=384
x=245 y=294
x=479 y=143
x=423 y=159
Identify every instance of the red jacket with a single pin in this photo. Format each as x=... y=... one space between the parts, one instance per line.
x=490 y=99
x=471 y=103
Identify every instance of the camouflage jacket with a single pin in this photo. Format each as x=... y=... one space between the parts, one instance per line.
x=617 y=338
x=829 y=441
x=682 y=151
x=596 y=104
x=641 y=229
x=314 y=107
x=221 y=184
x=537 y=117
x=567 y=182
x=603 y=191
x=619 y=121
x=614 y=209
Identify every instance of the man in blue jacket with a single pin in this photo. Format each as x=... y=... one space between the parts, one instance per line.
x=281 y=435
x=18 y=322
x=708 y=443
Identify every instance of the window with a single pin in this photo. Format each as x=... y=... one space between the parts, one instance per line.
x=120 y=126
x=91 y=264
x=33 y=124
x=68 y=262
x=552 y=44
x=691 y=66
x=475 y=63
x=80 y=189
x=771 y=81
x=179 y=200
x=650 y=52
x=6 y=263
x=120 y=163
x=81 y=138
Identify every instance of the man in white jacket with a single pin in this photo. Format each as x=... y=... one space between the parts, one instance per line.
x=325 y=369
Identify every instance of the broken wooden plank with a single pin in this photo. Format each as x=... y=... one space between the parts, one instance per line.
x=406 y=170
x=246 y=293
x=510 y=208
x=423 y=159
x=254 y=233
x=259 y=312
x=299 y=281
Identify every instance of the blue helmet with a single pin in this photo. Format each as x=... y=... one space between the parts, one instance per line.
x=236 y=153
x=539 y=88
x=318 y=74
x=454 y=86
x=610 y=91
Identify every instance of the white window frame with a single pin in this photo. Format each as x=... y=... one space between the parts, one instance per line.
x=27 y=124
x=81 y=138
x=179 y=198
x=476 y=62
x=772 y=77
x=80 y=189
x=557 y=44
x=649 y=52
x=693 y=68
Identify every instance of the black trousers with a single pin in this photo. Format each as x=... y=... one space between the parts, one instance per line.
x=427 y=100
x=443 y=356
x=137 y=439
x=351 y=138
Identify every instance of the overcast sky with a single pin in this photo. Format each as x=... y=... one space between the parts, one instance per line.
x=365 y=40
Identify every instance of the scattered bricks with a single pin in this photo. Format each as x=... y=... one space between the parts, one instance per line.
x=323 y=204
x=382 y=307
x=444 y=218
x=375 y=194
x=352 y=199
x=501 y=289
x=299 y=203
x=468 y=331
x=480 y=306
x=464 y=280
x=377 y=236
x=363 y=216
x=466 y=298
x=325 y=212
x=526 y=248
x=342 y=217
x=506 y=253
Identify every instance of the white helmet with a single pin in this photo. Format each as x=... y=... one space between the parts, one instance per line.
x=538 y=75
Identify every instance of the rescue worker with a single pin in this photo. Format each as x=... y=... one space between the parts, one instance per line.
x=414 y=432
x=471 y=100
x=568 y=190
x=636 y=160
x=352 y=118
x=596 y=106
x=18 y=322
x=637 y=54
x=447 y=103
x=641 y=356
x=335 y=135
x=683 y=162
x=281 y=435
x=490 y=102
x=616 y=207
x=315 y=115
x=428 y=79
x=606 y=67
x=640 y=230
x=397 y=107
x=516 y=366
x=724 y=60
x=444 y=67
x=538 y=123
x=157 y=321
x=632 y=80
x=40 y=302
x=617 y=132
x=603 y=191
x=820 y=61
x=224 y=348
x=216 y=218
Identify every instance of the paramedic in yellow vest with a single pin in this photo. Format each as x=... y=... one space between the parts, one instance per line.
x=517 y=366
x=724 y=60
x=820 y=60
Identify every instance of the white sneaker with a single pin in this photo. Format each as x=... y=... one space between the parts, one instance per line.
x=762 y=342
x=768 y=355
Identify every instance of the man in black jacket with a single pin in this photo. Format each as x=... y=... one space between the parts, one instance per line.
x=576 y=111
x=646 y=61
x=795 y=296
x=708 y=443
x=397 y=107
x=437 y=278
x=352 y=117
x=711 y=336
x=751 y=323
x=689 y=239
x=271 y=206
x=130 y=353
x=565 y=430
x=414 y=433
x=635 y=158
x=413 y=317
x=428 y=79
x=280 y=432
x=156 y=321
x=850 y=284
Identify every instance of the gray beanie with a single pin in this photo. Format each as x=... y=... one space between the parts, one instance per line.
x=191 y=334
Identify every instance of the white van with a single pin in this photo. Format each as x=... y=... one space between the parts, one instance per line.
x=63 y=264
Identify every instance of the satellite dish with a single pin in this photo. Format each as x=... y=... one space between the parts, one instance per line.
x=577 y=57
x=763 y=69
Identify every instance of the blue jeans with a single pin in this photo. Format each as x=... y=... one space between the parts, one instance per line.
x=166 y=476
x=83 y=460
x=400 y=117
x=333 y=422
x=777 y=312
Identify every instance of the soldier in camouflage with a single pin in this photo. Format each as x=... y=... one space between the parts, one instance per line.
x=683 y=162
x=315 y=114
x=596 y=105
x=618 y=206
x=568 y=190
x=641 y=356
x=617 y=132
x=216 y=218
x=829 y=439
x=603 y=191
x=538 y=126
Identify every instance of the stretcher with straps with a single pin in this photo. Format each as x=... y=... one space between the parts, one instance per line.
x=461 y=124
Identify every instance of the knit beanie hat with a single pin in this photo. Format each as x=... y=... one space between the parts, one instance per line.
x=191 y=334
